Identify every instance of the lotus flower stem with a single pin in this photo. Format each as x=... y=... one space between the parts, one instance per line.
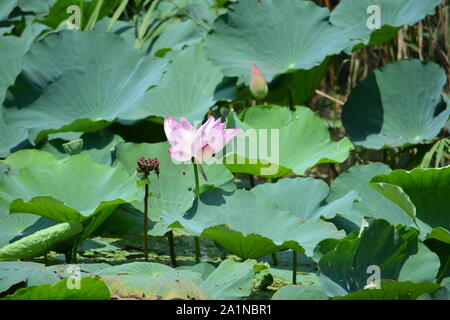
x=173 y=257
x=274 y=259
x=197 y=193
x=146 y=222
x=294 y=267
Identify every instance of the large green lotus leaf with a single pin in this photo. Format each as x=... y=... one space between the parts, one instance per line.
x=277 y=36
x=35 y=274
x=250 y=226
x=186 y=90
x=275 y=141
x=428 y=189
x=78 y=91
x=100 y=146
x=300 y=292
x=397 y=105
x=372 y=203
x=151 y=281
x=90 y=289
x=30 y=157
x=305 y=197
x=40 y=242
x=6 y=6
x=230 y=281
x=16 y=226
x=423 y=266
x=392 y=290
x=73 y=188
x=13 y=50
x=344 y=269
x=352 y=16
x=10 y=137
x=173 y=193
x=178 y=35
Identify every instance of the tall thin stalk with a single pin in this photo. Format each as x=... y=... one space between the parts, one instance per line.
x=294 y=267
x=146 y=222
x=173 y=257
x=197 y=193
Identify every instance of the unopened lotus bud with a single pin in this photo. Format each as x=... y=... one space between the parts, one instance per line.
x=258 y=84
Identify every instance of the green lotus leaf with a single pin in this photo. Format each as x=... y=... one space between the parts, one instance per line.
x=77 y=91
x=251 y=226
x=397 y=105
x=372 y=203
x=275 y=141
x=423 y=266
x=186 y=90
x=230 y=281
x=440 y=294
x=173 y=192
x=33 y=274
x=90 y=289
x=150 y=281
x=100 y=146
x=277 y=36
x=345 y=269
x=353 y=16
x=178 y=35
x=305 y=197
x=300 y=292
x=13 y=49
x=16 y=226
x=73 y=188
x=10 y=137
x=40 y=242
x=428 y=189
x=30 y=157
x=393 y=290
x=440 y=234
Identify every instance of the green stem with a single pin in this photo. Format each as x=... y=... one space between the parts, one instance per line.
x=444 y=272
x=294 y=267
x=74 y=251
x=197 y=193
x=146 y=223
x=197 y=249
x=274 y=259
x=173 y=257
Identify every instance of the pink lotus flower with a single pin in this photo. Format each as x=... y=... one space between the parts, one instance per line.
x=198 y=144
x=258 y=84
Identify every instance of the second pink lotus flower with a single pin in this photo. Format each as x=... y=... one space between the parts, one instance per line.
x=200 y=144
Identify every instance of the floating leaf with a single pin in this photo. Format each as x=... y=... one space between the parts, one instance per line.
x=90 y=289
